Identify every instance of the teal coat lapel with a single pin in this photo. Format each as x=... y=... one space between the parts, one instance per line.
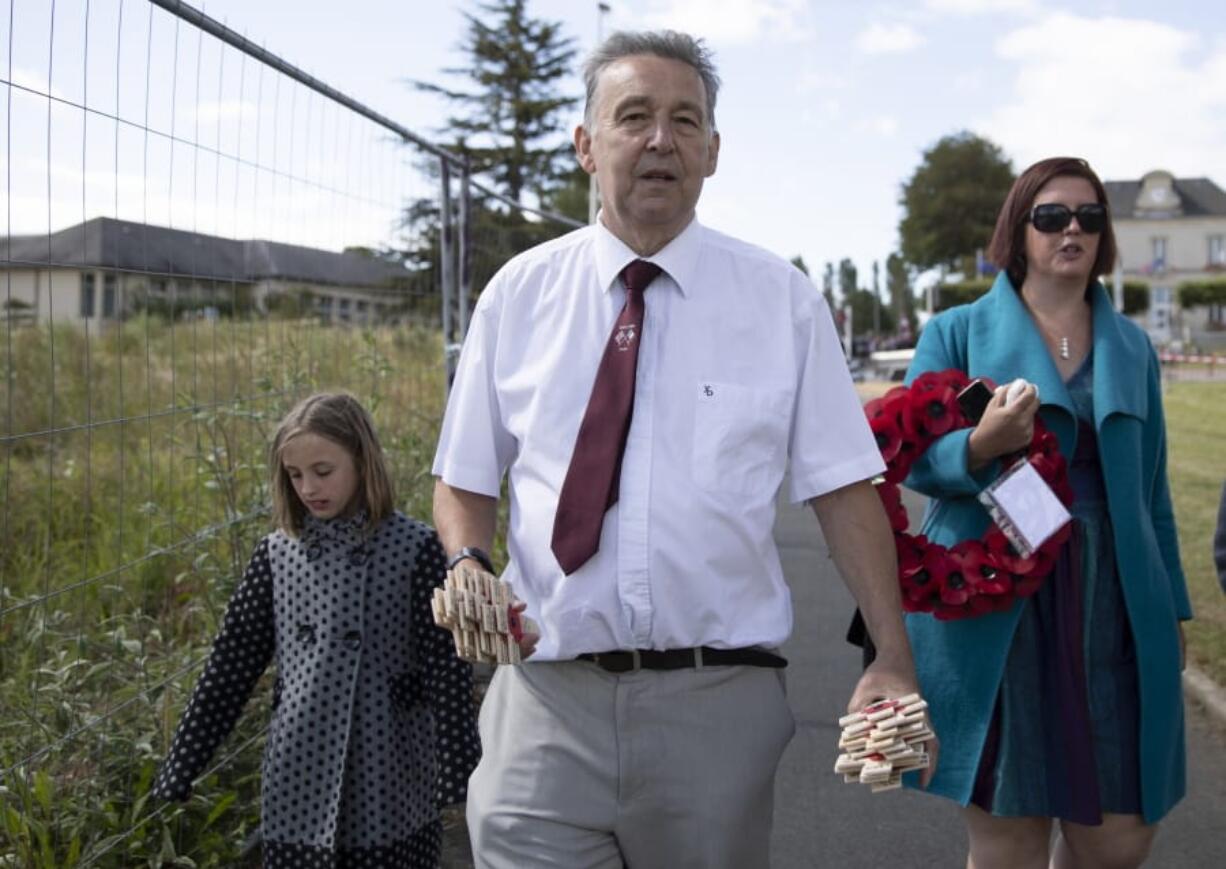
x=1008 y=345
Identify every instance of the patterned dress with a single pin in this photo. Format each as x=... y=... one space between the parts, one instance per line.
x=372 y=726
x=1064 y=740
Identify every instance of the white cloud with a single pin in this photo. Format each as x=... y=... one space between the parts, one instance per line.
x=812 y=81
x=226 y=110
x=879 y=125
x=36 y=81
x=1127 y=94
x=888 y=39
x=733 y=21
x=980 y=7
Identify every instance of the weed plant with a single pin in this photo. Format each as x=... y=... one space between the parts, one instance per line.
x=133 y=487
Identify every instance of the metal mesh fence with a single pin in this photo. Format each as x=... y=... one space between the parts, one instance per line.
x=195 y=235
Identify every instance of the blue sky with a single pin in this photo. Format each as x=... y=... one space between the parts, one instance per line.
x=826 y=106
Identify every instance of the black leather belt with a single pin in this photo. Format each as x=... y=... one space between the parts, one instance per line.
x=680 y=659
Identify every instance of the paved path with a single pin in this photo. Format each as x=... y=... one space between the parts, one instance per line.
x=821 y=822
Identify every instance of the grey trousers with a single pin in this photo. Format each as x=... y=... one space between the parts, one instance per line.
x=584 y=769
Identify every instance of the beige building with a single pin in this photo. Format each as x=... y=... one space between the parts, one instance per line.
x=108 y=269
x=1171 y=230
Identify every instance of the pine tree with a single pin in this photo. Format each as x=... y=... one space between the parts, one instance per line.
x=509 y=121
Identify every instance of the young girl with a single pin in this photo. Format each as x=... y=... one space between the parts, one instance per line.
x=372 y=726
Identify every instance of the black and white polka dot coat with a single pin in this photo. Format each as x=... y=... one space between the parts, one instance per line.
x=372 y=726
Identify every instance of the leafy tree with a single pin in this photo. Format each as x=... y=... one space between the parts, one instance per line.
x=1200 y=293
x=570 y=197
x=951 y=201
x=1136 y=297
x=954 y=293
x=847 y=279
x=828 y=284
x=799 y=262
x=864 y=306
x=509 y=122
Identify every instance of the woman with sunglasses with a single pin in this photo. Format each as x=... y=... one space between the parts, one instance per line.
x=1067 y=707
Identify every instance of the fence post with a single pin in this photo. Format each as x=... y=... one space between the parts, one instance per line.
x=466 y=249
x=451 y=347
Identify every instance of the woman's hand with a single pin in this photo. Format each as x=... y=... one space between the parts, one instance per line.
x=1004 y=427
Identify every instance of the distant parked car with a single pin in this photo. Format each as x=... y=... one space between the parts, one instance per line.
x=891 y=365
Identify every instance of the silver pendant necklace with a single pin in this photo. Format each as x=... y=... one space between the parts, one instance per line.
x=1064 y=346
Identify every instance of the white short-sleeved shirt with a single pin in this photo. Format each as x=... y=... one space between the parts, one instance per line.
x=740 y=377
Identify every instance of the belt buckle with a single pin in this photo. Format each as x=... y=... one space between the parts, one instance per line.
x=636 y=661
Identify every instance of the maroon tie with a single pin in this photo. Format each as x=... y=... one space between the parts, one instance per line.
x=592 y=479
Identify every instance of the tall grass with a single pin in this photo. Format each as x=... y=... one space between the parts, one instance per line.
x=132 y=490
x=1196 y=423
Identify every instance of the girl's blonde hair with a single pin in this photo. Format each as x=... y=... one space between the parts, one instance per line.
x=338 y=417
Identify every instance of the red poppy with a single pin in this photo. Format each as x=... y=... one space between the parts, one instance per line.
x=977 y=561
x=891 y=499
x=886 y=428
x=1006 y=555
x=965 y=561
x=897 y=470
x=920 y=575
x=975 y=576
x=934 y=408
x=1051 y=467
x=1044 y=442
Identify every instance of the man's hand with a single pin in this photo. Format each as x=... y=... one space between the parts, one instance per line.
x=469 y=574
x=527 y=643
x=881 y=681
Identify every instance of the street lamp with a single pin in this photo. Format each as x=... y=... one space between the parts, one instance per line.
x=593 y=193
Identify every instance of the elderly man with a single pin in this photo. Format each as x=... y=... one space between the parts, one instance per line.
x=646 y=382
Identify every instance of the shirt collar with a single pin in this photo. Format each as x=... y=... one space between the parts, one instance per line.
x=679 y=258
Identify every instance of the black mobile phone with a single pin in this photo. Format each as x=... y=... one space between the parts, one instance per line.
x=974 y=400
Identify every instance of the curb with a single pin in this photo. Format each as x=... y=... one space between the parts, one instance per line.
x=1210 y=695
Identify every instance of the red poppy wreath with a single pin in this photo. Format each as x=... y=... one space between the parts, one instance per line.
x=974 y=576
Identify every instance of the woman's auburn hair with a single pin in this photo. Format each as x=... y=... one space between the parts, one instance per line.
x=340 y=418
x=1007 y=250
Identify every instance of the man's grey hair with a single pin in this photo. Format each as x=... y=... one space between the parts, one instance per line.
x=668 y=44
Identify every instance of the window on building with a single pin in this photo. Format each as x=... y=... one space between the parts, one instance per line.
x=1217 y=250
x=87 y=294
x=110 y=289
x=1157 y=260
x=344 y=309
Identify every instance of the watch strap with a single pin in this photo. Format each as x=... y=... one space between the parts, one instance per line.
x=478 y=555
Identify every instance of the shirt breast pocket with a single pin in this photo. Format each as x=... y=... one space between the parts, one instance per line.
x=740 y=437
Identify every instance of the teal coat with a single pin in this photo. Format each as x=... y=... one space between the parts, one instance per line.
x=960 y=663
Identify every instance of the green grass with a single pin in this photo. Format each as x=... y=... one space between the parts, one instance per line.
x=1196 y=428
x=132 y=489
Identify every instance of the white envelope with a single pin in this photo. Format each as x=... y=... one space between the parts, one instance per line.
x=1025 y=507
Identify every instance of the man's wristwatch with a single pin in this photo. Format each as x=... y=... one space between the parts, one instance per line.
x=478 y=555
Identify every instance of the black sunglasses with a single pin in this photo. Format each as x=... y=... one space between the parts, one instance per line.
x=1054 y=217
